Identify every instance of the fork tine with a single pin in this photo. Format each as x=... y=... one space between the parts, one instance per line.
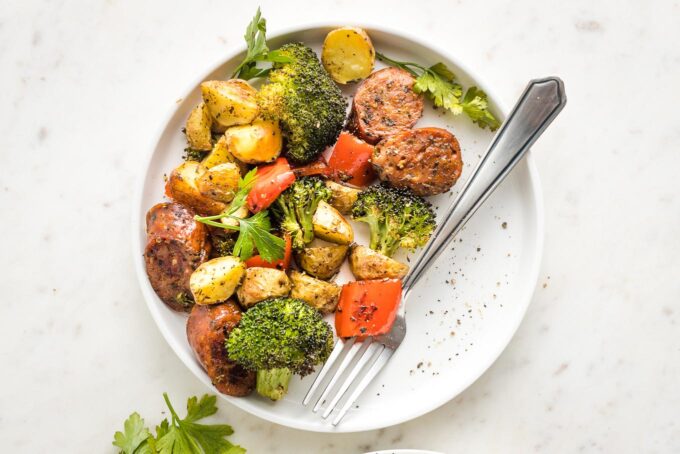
x=365 y=358
x=376 y=367
x=340 y=345
x=343 y=365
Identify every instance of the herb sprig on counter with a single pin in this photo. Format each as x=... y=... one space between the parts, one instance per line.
x=439 y=83
x=254 y=231
x=257 y=50
x=179 y=436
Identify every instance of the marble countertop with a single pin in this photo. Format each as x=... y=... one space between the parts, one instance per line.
x=594 y=366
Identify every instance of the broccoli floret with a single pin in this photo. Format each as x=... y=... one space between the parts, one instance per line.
x=277 y=338
x=222 y=244
x=273 y=383
x=396 y=218
x=304 y=99
x=295 y=207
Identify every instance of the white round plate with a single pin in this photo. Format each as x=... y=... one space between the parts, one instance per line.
x=460 y=318
x=403 y=451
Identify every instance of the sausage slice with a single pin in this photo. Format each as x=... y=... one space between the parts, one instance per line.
x=385 y=104
x=208 y=328
x=426 y=160
x=176 y=245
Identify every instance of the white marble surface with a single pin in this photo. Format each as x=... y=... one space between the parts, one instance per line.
x=594 y=366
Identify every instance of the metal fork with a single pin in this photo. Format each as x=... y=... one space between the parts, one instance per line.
x=541 y=102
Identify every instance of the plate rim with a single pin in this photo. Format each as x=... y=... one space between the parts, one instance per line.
x=526 y=293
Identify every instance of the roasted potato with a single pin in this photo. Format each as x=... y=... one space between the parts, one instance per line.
x=366 y=263
x=198 y=128
x=342 y=197
x=221 y=154
x=331 y=226
x=220 y=182
x=255 y=143
x=260 y=284
x=322 y=262
x=242 y=212
x=230 y=102
x=214 y=281
x=217 y=128
x=182 y=187
x=348 y=54
x=321 y=295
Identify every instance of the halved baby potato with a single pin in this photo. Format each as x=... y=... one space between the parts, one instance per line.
x=217 y=128
x=322 y=262
x=220 y=154
x=182 y=187
x=242 y=212
x=366 y=263
x=198 y=128
x=321 y=295
x=216 y=280
x=342 y=197
x=331 y=226
x=230 y=102
x=220 y=182
x=260 y=284
x=255 y=143
x=348 y=54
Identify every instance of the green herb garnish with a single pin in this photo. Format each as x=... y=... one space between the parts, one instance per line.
x=254 y=231
x=257 y=50
x=439 y=83
x=191 y=154
x=179 y=436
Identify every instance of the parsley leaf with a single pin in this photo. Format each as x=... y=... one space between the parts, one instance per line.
x=198 y=410
x=187 y=436
x=176 y=442
x=438 y=82
x=257 y=50
x=162 y=429
x=475 y=106
x=443 y=91
x=245 y=184
x=444 y=72
x=254 y=232
x=133 y=439
x=180 y=436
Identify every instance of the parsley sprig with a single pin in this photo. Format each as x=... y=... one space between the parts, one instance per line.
x=179 y=436
x=254 y=231
x=439 y=83
x=257 y=50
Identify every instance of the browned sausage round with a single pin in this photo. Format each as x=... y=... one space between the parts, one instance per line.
x=385 y=104
x=177 y=244
x=207 y=330
x=425 y=160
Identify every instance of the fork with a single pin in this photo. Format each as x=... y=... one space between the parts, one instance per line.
x=537 y=107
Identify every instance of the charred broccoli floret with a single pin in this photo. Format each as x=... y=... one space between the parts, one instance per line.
x=280 y=337
x=396 y=218
x=304 y=99
x=295 y=207
x=222 y=244
x=191 y=154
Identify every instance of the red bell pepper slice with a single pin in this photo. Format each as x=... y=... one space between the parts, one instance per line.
x=272 y=180
x=350 y=161
x=281 y=264
x=367 y=308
